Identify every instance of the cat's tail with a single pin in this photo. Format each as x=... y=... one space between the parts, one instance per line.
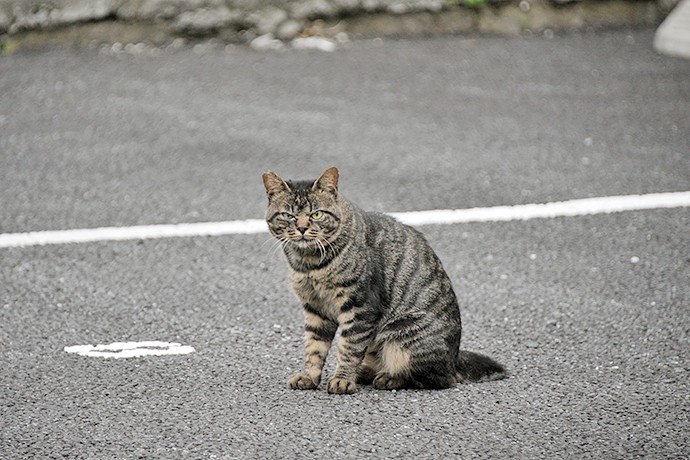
x=475 y=367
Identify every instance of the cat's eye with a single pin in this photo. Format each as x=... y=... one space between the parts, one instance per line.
x=317 y=215
x=289 y=217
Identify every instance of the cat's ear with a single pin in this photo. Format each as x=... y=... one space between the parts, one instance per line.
x=328 y=182
x=274 y=184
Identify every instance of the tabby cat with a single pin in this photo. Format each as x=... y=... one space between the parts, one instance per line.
x=377 y=280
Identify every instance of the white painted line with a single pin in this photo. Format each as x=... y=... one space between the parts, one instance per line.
x=140 y=232
x=131 y=349
x=582 y=207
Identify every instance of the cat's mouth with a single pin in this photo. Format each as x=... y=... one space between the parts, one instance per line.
x=303 y=242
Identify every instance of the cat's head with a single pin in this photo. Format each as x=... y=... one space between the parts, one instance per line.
x=304 y=214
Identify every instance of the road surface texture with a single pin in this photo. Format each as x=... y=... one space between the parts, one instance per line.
x=591 y=315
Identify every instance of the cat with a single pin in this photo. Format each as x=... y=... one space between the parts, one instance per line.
x=376 y=279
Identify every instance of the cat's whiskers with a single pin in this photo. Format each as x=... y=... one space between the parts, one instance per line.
x=278 y=242
x=322 y=249
x=271 y=240
x=329 y=244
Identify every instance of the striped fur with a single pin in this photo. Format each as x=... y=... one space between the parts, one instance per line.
x=377 y=280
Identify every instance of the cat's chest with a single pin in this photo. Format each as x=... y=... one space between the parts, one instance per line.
x=319 y=292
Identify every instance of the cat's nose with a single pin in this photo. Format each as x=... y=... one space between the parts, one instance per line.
x=302 y=230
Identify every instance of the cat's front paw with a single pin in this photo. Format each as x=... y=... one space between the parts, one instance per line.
x=302 y=382
x=340 y=386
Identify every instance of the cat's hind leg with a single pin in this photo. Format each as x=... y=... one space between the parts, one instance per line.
x=394 y=369
x=401 y=368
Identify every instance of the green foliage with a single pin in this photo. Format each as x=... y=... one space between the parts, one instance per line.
x=474 y=3
x=466 y=3
x=8 y=47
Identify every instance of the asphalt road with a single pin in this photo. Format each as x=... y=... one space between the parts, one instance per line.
x=591 y=315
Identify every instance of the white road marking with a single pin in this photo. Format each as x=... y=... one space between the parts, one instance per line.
x=581 y=207
x=131 y=349
x=139 y=232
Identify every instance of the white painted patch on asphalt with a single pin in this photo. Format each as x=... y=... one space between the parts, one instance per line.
x=131 y=349
x=572 y=208
x=673 y=35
